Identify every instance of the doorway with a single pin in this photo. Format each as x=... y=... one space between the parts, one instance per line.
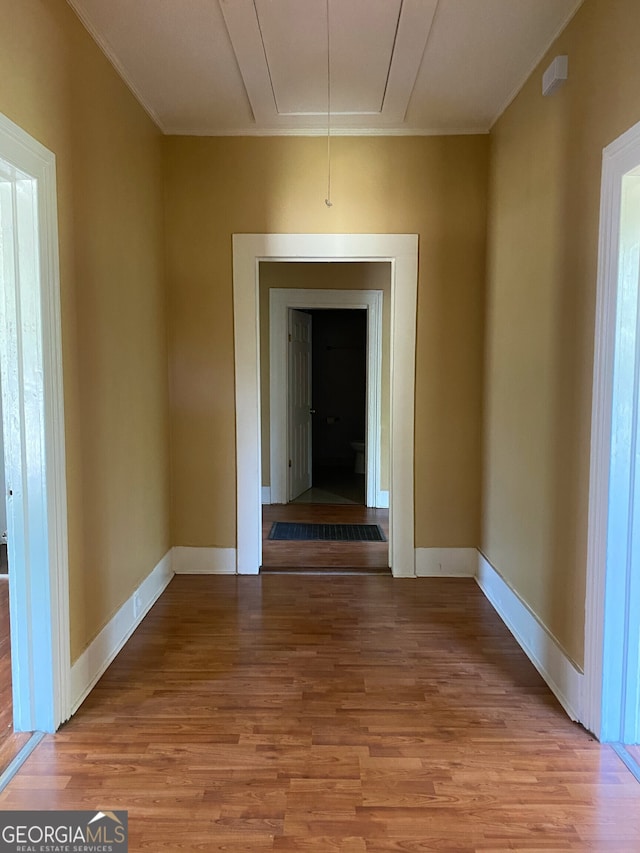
x=400 y=251
x=612 y=633
x=339 y=407
x=33 y=432
x=322 y=384
x=275 y=372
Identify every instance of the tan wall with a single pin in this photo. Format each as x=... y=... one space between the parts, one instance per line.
x=322 y=276
x=543 y=240
x=58 y=86
x=435 y=187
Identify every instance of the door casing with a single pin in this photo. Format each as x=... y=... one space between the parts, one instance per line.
x=33 y=429
x=612 y=618
x=401 y=252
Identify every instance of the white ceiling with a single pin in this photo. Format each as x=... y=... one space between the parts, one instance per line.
x=211 y=67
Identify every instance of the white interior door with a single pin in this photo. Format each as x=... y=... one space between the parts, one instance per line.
x=299 y=405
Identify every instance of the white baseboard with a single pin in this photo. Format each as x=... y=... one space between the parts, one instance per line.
x=446 y=562
x=203 y=561
x=560 y=673
x=382 y=501
x=266 y=494
x=95 y=659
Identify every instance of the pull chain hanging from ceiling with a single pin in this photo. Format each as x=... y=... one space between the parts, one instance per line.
x=327 y=200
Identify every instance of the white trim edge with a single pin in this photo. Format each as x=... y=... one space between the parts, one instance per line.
x=604 y=655
x=382 y=501
x=446 y=562
x=203 y=561
x=562 y=676
x=266 y=495
x=95 y=659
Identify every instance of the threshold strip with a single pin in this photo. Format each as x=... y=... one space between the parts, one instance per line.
x=20 y=759
x=628 y=759
x=326 y=570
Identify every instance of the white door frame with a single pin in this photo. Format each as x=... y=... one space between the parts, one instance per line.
x=31 y=364
x=401 y=251
x=610 y=619
x=280 y=300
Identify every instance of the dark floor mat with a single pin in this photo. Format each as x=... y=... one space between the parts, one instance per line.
x=297 y=531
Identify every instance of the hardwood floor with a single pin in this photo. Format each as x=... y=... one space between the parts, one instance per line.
x=352 y=714
x=6 y=710
x=335 y=485
x=10 y=743
x=356 y=556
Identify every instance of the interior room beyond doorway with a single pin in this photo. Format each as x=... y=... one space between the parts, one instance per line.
x=326 y=287
x=338 y=406
x=348 y=423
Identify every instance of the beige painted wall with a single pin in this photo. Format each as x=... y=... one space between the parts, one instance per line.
x=435 y=187
x=323 y=276
x=543 y=240
x=58 y=86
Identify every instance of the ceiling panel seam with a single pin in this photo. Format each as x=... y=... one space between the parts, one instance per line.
x=266 y=58
x=393 y=51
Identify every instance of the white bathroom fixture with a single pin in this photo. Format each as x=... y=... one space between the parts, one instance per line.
x=358 y=465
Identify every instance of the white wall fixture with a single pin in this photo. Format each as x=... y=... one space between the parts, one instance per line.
x=555 y=75
x=401 y=252
x=33 y=426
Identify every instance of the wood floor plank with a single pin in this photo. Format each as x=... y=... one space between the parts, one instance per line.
x=343 y=713
x=6 y=706
x=10 y=742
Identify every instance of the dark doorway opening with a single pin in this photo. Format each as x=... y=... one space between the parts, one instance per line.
x=339 y=387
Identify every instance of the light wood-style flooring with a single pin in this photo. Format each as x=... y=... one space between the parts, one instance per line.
x=355 y=556
x=359 y=714
x=10 y=743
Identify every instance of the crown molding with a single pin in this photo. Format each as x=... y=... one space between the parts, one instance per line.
x=319 y=132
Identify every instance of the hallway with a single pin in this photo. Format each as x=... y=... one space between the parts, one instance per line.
x=352 y=714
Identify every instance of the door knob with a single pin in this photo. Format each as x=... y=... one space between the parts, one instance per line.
x=312 y=411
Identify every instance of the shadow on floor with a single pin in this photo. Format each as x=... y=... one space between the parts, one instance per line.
x=334 y=485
